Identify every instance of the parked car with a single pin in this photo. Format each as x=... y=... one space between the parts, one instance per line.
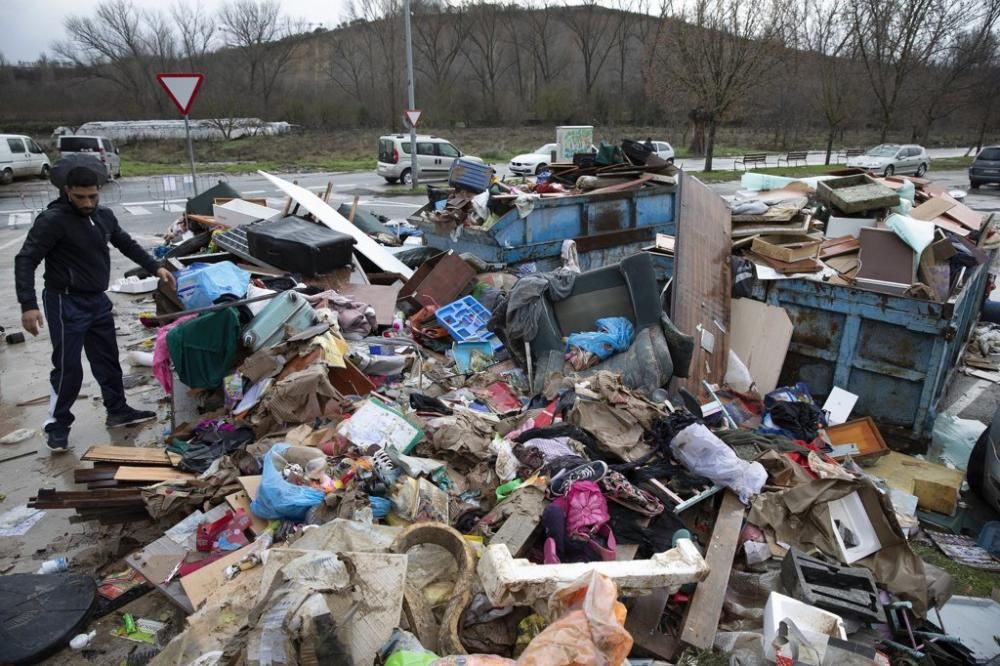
x=664 y=151
x=21 y=157
x=984 y=464
x=533 y=163
x=102 y=148
x=985 y=168
x=434 y=157
x=889 y=158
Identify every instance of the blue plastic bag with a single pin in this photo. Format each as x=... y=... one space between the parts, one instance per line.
x=278 y=499
x=613 y=335
x=199 y=285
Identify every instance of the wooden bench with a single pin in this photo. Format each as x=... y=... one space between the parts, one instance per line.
x=794 y=157
x=751 y=160
x=852 y=152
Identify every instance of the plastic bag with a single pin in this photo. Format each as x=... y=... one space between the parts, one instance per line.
x=279 y=499
x=613 y=335
x=697 y=448
x=588 y=626
x=200 y=285
x=507 y=463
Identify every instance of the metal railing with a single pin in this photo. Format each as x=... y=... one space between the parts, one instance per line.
x=164 y=188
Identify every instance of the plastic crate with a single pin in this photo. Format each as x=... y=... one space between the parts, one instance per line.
x=465 y=319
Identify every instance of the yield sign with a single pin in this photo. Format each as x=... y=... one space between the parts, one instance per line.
x=412 y=116
x=182 y=88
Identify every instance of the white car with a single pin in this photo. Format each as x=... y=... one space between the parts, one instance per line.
x=533 y=163
x=664 y=151
x=889 y=158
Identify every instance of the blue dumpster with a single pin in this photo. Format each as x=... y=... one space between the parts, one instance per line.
x=896 y=353
x=607 y=227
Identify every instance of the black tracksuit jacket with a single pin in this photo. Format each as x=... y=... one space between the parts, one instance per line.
x=75 y=250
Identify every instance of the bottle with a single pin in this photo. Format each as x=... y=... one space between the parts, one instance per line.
x=53 y=566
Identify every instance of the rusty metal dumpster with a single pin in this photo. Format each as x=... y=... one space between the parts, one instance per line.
x=896 y=353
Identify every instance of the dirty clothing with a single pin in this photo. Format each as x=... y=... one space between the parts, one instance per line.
x=75 y=251
x=79 y=323
x=203 y=350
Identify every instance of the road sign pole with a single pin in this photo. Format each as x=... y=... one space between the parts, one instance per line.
x=194 y=176
x=414 y=177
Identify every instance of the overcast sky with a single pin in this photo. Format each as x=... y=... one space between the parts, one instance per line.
x=29 y=28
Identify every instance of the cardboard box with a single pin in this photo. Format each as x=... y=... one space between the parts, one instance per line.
x=776 y=248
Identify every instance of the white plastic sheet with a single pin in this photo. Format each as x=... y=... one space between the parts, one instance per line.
x=697 y=448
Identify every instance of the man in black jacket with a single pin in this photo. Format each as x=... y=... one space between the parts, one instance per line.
x=72 y=237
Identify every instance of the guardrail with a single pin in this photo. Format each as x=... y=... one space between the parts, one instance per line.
x=173 y=186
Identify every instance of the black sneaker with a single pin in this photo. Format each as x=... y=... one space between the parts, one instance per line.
x=129 y=416
x=58 y=442
x=592 y=471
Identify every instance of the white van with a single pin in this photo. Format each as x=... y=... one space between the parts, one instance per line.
x=100 y=147
x=21 y=157
x=434 y=157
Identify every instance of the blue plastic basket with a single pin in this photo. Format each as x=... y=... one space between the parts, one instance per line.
x=465 y=319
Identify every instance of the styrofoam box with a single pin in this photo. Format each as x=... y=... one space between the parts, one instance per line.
x=236 y=212
x=814 y=623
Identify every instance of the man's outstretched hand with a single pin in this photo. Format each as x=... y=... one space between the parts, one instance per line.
x=32 y=321
x=167 y=278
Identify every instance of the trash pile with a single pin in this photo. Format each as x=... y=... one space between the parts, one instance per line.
x=898 y=235
x=389 y=455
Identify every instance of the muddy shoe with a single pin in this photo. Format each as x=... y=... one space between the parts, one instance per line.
x=58 y=442
x=592 y=471
x=129 y=416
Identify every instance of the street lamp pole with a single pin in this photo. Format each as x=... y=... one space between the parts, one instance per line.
x=412 y=96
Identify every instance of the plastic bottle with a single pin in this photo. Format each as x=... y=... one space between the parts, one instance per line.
x=53 y=566
x=81 y=641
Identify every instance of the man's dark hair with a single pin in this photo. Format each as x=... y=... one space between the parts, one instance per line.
x=82 y=177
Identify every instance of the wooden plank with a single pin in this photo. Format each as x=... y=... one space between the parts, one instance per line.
x=517 y=532
x=205 y=581
x=931 y=208
x=351 y=381
x=152 y=474
x=155 y=562
x=702 y=619
x=643 y=622
x=702 y=283
x=127 y=454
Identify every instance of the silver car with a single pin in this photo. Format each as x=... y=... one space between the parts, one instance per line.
x=889 y=158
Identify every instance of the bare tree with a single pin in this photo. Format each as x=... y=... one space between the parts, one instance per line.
x=951 y=72
x=487 y=54
x=348 y=65
x=265 y=41
x=119 y=43
x=987 y=90
x=381 y=25
x=628 y=20
x=595 y=34
x=541 y=35
x=719 y=57
x=825 y=32
x=197 y=31
x=897 y=38
x=437 y=41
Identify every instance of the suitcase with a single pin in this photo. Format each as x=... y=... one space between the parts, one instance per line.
x=287 y=313
x=294 y=244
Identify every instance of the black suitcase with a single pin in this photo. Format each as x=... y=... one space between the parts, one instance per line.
x=294 y=244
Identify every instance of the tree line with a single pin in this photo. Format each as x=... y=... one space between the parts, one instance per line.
x=902 y=69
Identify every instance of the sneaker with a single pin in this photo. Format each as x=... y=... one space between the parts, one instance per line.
x=592 y=471
x=129 y=416
x=58 y=442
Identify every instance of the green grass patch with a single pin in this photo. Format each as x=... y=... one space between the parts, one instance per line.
x=139 y=168
x=951 y=163
x=968 y=581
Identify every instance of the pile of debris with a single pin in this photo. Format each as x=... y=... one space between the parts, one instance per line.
x=898 y=235
x=389 y=455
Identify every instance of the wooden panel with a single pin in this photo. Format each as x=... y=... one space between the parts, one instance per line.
x=643 y=622
x=701 y=290
x=155 y=562
x=901 y=471
x=151 y=474
x=127 y=454
x=864 y=434
x=702 y=619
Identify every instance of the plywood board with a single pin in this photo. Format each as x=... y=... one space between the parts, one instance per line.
x=760 y=335
x=155 y=562
x=205 y=581
x=701 y=622
x=127 y=454
x=250 y=485
x=964 y=215
x=864 y=434
x=931 y=208
x=376 y=253
x=900 y=471
x=702 y=284
x=886 y=257
x=152 y=474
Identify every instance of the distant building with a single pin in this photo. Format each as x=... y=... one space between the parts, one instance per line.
x=139 y=130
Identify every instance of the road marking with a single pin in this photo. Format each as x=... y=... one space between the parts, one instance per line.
x=254 y=191
x=382 y=202
x=16 y=219
x=174 y=208
x=137 y=210
x=13 y=242
x=969 y=397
